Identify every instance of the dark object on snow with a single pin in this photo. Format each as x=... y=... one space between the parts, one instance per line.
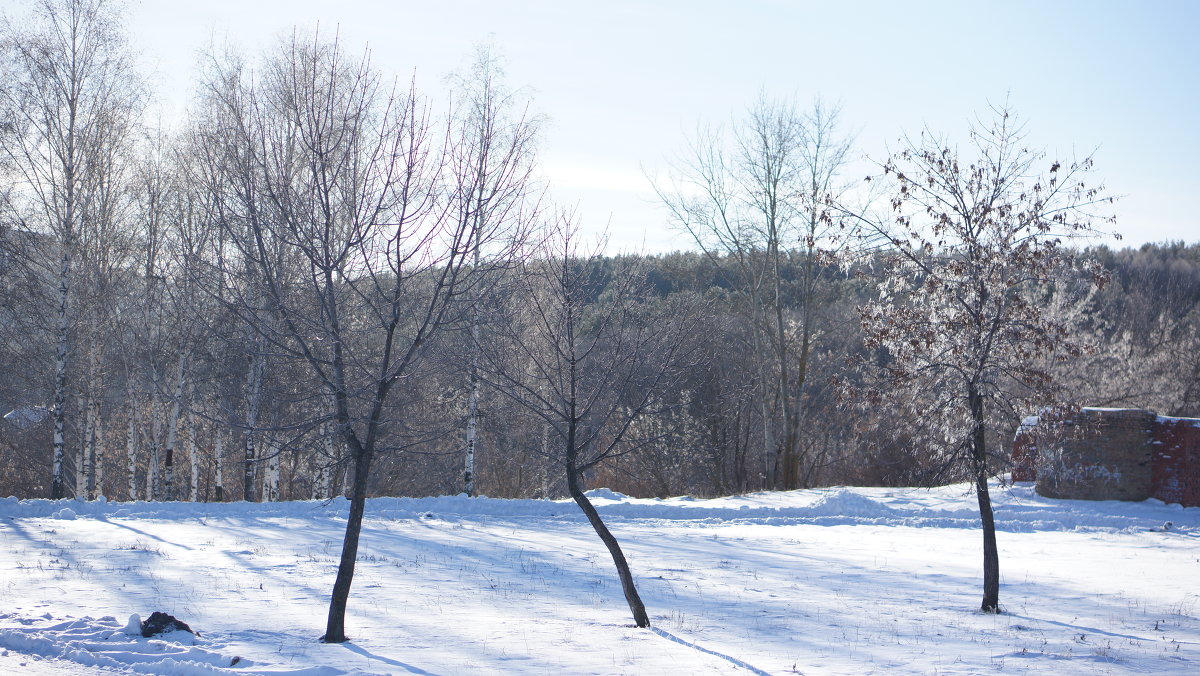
x=162 y=623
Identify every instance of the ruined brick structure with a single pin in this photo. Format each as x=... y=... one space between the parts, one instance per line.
x=1110 y=454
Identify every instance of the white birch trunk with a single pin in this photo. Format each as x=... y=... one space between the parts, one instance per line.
x=327 y=482
x=194 y=462
x=98 y=464
x=218 y=461
x=472 y=418
x=173 y=428
x=473 y=397
x=323 y=482
x=270 y=490
x=131 y=443
x=254 y=378
x=80 y=488
x=547 y=463
x=320 y=480
x=153 y=476
x=348 y=479
x=91 y=432
x=153 y=486
x=58 y=486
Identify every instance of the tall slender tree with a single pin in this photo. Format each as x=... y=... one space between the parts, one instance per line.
x=754 y=199
x=333 y=190
x=70 y=103
x=492 y=158
x=973 y=245
x=580 y=352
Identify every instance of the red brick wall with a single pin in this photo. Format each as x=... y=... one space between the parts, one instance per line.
x=1176 y=461
x=1024 y=457
x=1097 y=439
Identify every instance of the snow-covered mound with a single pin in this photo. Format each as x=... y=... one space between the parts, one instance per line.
x=1018 y=509
x=105 y=642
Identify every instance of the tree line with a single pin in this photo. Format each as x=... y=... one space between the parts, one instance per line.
x=319 y=284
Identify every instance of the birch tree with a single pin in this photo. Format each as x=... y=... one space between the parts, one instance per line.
x=224 y=164
x=492 y=159
x=973 y=244
x=69 y=105
x=170 y=320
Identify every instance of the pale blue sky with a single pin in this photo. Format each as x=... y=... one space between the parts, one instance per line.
x=623 y=81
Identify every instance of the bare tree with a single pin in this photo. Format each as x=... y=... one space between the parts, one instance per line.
x=973 y=248
x=166 y=318
x=332 y=190
x=755 y=201
x=579 y=351
x=492 y=158
x=69 y=105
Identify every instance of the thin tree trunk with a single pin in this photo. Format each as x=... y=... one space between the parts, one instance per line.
x=98 y=466
x=472 y=419
x=636 y=606
x=473 y=398
x=80 y=476
x=787 y=471
x=173 y=428
x=58 y=486
x=153 y=484
x=323 y=483
x=131 y=443
x=254 y=378
x=194 y=485
x=273 y=450
x=218 y=461
x=153 y=478
x=991 y=556
x=327 y=483
x=763 y=402
x=92 y=427
x=335 y=628
x=321 y=477
x=547 y=463
x=347 y=480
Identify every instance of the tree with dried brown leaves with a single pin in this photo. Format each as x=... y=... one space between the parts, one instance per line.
x=966 y=314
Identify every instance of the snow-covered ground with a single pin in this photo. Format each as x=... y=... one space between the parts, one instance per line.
x=830 y=581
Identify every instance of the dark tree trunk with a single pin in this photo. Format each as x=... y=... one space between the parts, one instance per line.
x=991 y=556
x=614 y=548
x=335 y=628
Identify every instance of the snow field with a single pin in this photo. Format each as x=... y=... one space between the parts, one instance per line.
x=832 y=581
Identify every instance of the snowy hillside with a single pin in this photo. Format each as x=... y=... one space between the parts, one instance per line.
x=831 y=581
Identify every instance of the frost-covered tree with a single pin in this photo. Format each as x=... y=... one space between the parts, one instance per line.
x=973 y=248
x=1146 y=324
